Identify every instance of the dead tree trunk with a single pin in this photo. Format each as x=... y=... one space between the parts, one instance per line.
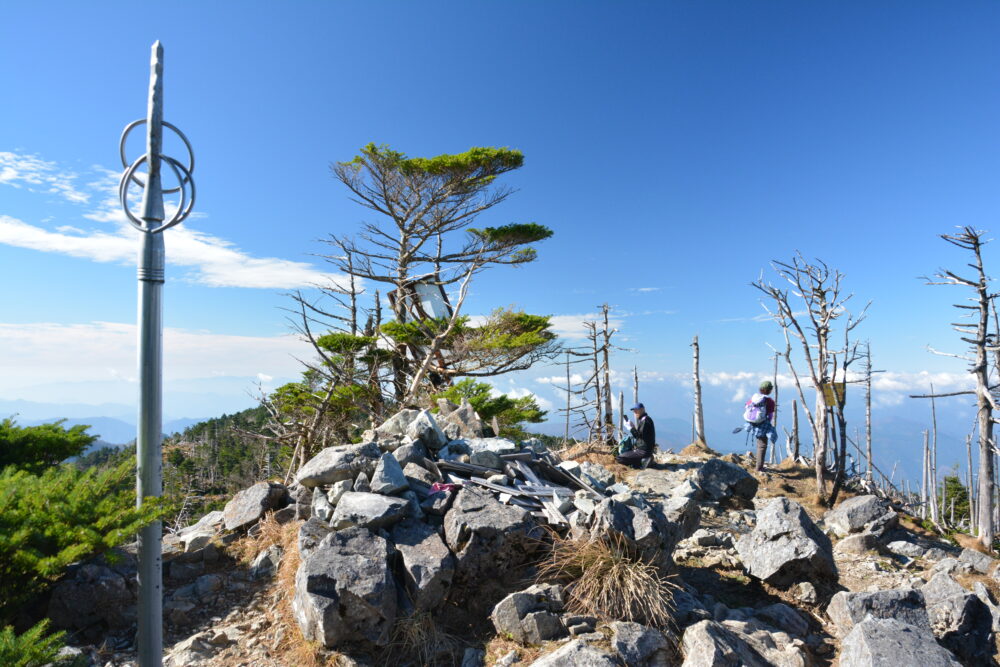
x=923 y=478
x=968 y=483
x=977 y=335
x=609 y=420
x=868 y=410
x=795 y=430
x=635 y=385
x=699 y=416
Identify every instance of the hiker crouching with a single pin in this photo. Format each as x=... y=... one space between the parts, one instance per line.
x=759 y=415
x=644 y=434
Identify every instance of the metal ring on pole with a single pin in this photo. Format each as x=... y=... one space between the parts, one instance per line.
x=183 y=208
x=135 y=179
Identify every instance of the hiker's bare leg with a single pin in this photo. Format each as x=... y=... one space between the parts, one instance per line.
x=761 y=453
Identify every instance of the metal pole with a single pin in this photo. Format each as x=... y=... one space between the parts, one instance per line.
x=151 y=263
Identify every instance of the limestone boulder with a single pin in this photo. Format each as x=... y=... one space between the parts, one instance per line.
x=577 y=653
x=334 y=464
x=425 y=429
x=388 y=478
x=345 y=591
x=861 y=513
x=710 y=644
x=847 y=609
x=371 y=510
x=428 y=565
x=876 y=642
x=786 y=547
x=462 y=422
x=249 y=505
x=93 y=595
x=487 y=537
x=727 y=482
x=642 y=646
x=530 y=616
x=959 y=619
x=645 y=529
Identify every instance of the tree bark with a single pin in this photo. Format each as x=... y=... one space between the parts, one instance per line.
x=699 y=416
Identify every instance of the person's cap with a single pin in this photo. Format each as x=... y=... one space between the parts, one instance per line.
x=638 y=406
x=766 y=386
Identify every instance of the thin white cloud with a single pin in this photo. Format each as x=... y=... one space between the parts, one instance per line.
x=37 y=175
x=210 y=260
x=571 y=326
x=41 y=352
x=645 y=289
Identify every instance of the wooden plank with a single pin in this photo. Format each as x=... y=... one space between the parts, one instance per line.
x=527 y=472
x=466 y=467
x=566 y=475
x=519 y=456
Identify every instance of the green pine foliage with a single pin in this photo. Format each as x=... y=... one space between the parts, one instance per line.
x=60 y=516
x=35 y=448
x=511 y=413
x=32 y=648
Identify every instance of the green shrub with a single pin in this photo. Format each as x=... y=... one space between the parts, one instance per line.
x=30 y=649
x=35 y=448
x=61 y=516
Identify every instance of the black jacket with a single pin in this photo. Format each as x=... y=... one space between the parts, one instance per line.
x=645 y=433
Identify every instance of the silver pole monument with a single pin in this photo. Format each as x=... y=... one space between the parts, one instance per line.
x=152 y=222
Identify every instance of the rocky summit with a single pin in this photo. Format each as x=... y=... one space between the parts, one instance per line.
x=430 y=544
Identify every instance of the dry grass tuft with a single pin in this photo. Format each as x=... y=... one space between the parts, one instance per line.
x=269 y=533
x=698 y=448
x=604 y=578
x=418 y=639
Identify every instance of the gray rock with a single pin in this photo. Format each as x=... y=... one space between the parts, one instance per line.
x=775 y=646
x=311 y=533
x=338 y=489
x=984 y=596
x=640 y=645
x=723 y=481
x=361 y=484
x=572 y=467
x=265 y=565
x=959 y=619
x=462 y=422
x=496 y=445
x=854 y=514
x=709 y=644
x=597 y=475
x=428 y=565
x=211 y=522
x=499 y=479
x=577 y=653
x=337 y=463
x=979 y=562
x=453 y=451
x=473 y=657
x=92 y=594
x=345 y=591
x=249 y=505
x=438 y=504
x=645 y=529
x=321 y=507
x=388 y=478
x=181 y=571
x=689 y=609
x=425 y=429
x=487 y=459
x=847 y=609
x=857 y=543
x=535 y=445
x=683 y=511
x=413 y=452
x=906 y=548
x=395 y=427
x=806 y=592
x=413 y=510
x=875 y=642
x=370 y=510
x=786 y=547
x=207 y=584
x=487 y=537
x=785 y=618
x=530 y=616
x=417 y=475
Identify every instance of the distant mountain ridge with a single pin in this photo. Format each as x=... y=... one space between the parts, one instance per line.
x=111 y=431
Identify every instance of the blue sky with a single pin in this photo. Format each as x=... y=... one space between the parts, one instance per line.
x=674 y=148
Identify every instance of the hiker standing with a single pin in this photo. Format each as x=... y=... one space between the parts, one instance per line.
x=759 y=414
x=644 y=433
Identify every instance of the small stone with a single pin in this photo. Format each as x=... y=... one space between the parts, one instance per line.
x=361 y=484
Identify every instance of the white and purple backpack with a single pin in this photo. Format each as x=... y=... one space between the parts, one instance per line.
x=756 y=409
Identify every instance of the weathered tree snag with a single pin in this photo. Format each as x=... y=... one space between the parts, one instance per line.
x=699 y=415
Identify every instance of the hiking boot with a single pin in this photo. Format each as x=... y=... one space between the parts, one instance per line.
x=645 y=462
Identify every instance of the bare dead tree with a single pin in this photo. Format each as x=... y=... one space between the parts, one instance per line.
x=981 y=342
x=606 y=333
x=699 y=415
x=819 y=289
